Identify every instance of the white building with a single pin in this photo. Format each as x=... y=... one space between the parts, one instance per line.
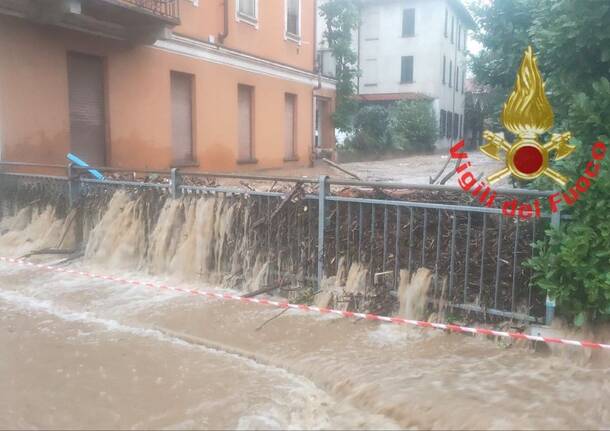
x=413 y=49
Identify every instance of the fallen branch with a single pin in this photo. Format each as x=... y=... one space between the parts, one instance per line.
x=451 y=173
x=435 y=179
x=67 y=225
x=287 y=198
x=273 y=318
x=340 y=168
x=46 y=251
x=265 y=289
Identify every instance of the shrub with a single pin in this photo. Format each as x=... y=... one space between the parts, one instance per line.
x=412 y=125
x=573 y=263
x=370 y=130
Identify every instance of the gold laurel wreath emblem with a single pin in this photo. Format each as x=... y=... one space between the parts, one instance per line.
x=527 y=113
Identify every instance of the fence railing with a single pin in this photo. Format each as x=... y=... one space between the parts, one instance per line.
x=475 y=253
x=164 y=8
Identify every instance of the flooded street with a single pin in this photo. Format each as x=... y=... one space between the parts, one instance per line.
x=80 y=353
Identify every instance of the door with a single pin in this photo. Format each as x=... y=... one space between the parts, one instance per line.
x=87 y=108
x=182 y=117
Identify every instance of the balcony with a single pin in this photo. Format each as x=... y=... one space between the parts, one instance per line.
x=139 y=21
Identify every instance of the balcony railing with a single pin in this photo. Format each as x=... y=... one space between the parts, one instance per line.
x=163 y=8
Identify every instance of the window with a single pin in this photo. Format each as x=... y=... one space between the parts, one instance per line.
x=444 y=69
x=443 y=122
x=457 y=77
x=247 y=10
x=461 y=131
x=450 y=73
x=87 y=107
x=459 y=34
x=406 y=69
x=293 y=19
x=369 y=72
x=452 y=27
x=465 y=35
x=290 y=129
x=182 y=117
x=245 y=147
x=456 y=125
x=370 y=26
x=408 y=23
x=449 y=124
x=463 y=79
x=446 y=21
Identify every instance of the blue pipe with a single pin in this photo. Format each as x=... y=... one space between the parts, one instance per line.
x=97 y=174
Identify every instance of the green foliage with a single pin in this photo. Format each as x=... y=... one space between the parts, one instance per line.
x=412 y=125
x=370 y=130
x=573 y=263
x=573 y=48
x=342 y=18
x=504 y=27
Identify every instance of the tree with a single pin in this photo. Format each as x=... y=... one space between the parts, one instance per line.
x=342 y=18
x=370 y=130
x=412 y=125
x=573 y=47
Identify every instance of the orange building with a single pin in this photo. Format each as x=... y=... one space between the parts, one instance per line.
x=212 y=84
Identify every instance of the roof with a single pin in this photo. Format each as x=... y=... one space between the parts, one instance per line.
x=391 y=97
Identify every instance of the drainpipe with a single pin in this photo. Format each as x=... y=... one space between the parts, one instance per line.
x=222 y=36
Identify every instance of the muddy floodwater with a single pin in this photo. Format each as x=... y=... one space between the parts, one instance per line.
x=81 y=353
x=91 y=354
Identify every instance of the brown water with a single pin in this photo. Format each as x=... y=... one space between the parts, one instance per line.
x=79 y=353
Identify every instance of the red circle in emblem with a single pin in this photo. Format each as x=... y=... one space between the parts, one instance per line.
x=528 y=159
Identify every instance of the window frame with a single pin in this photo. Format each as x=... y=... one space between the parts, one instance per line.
x=287 y=34
x=444 y=69
x=402 y=62
x=244 y=17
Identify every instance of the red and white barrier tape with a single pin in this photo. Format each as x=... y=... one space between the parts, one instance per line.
x=304 y=307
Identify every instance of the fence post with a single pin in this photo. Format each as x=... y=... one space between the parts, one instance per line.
x=174 y=183
x=550 y=302
x=73 y=186
x=323 y=190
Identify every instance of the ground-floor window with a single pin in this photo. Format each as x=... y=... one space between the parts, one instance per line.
x=182 y=117
x=290 y=127
x=245 y=147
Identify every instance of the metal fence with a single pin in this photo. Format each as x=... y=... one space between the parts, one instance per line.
x=475 y=253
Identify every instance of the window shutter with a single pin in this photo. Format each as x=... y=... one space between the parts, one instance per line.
x=182 y=117
x=244 y=150
x=408 y=22
x=290 y=127
x=406 y=72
